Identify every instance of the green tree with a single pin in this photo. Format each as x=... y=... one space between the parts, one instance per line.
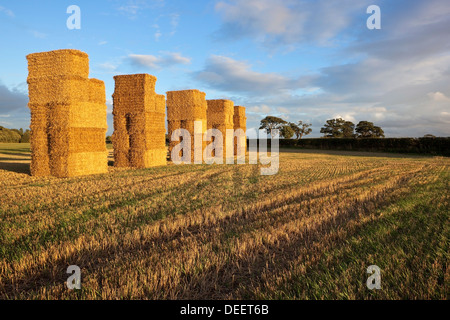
x=287 y=132
x=26 y=137
x=270 y=123
x=301 y=129
x=366 y=129
x=338 y=128
x=9 y=136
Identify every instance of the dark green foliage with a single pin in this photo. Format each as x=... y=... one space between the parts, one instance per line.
x=270 y=123
x=9 y=136
x=366 y=129
x=435 y=146
x=301 y=129
x=338 y=128
x=26 y=137
x=287 y=132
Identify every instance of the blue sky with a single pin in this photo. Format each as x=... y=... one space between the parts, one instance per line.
x=297 y=59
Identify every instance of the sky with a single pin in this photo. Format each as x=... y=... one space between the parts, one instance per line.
x=295 y=59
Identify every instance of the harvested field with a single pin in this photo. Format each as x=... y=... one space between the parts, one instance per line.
x=213 y=232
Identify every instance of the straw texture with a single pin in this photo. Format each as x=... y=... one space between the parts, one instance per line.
x=240 y=122
x=183 y=109
x=68 y=115
x=139 y=127
x=220 y=116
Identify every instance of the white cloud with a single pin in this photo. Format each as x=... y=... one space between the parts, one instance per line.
x=7 y=12
x=168 y=59
x=287 y=21
x=108 y=66
x=38 y=35
x=438 y=96
x=227 y=74
x=102 y=43
x=132 y=8
x=264 y=109
x=174 y=20
x=283 y=110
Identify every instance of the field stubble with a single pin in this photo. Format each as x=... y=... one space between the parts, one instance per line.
x=214 y=232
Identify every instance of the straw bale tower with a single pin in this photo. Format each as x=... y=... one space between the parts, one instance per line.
x=240 y=122
x=68 y=115
x=139 y=122
x=220 y=116
x=183 y=109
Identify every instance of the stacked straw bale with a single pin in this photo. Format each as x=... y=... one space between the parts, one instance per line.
x=240 y=122
x=220 y=116
x=183 y=109
x=68 y=115
x=139 y=127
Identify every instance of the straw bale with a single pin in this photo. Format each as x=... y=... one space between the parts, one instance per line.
x=97 y=91
x=220 y=116
x=59 y=89
x=56 y=63
x=186 y=105
x=79 y=163
x=240 y=122
x=86 y=140
x=183 y=109
x=39 y=152
x=139 y=128
x=68 y=115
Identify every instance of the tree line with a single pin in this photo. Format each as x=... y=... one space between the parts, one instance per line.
x=333 y=128
x=14 y=135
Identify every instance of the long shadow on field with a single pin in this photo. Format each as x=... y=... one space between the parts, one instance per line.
x=228 y=281
x=218 y=281
x=17 y=167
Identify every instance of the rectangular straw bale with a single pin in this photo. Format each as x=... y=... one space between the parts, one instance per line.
x=86 y=140
x=156 y=157
x=183 y=109
x=160 y=104
x=139 y=115
x=56 y=63
x=186 y=105
x=61 y=89
x=39 y=152
x=97 y=91
x=79 y=163
x=220 y=116
x=240 y=122
x=68 y=115
x=39 y=115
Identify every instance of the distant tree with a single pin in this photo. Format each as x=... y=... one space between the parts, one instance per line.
x=429 y=136
x=270 y=123
x=287 y=132
x=108 y=139
x=26 y=137
x=301 y=129
x=338 y=128
x=366 y=129
x=20 y=132
x=9 y=136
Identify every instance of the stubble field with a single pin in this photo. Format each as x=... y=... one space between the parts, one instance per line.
x=226 y=232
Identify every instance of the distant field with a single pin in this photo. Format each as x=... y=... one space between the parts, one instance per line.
x=214 y=232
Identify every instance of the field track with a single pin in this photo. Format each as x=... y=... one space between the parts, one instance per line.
x=215 y=232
